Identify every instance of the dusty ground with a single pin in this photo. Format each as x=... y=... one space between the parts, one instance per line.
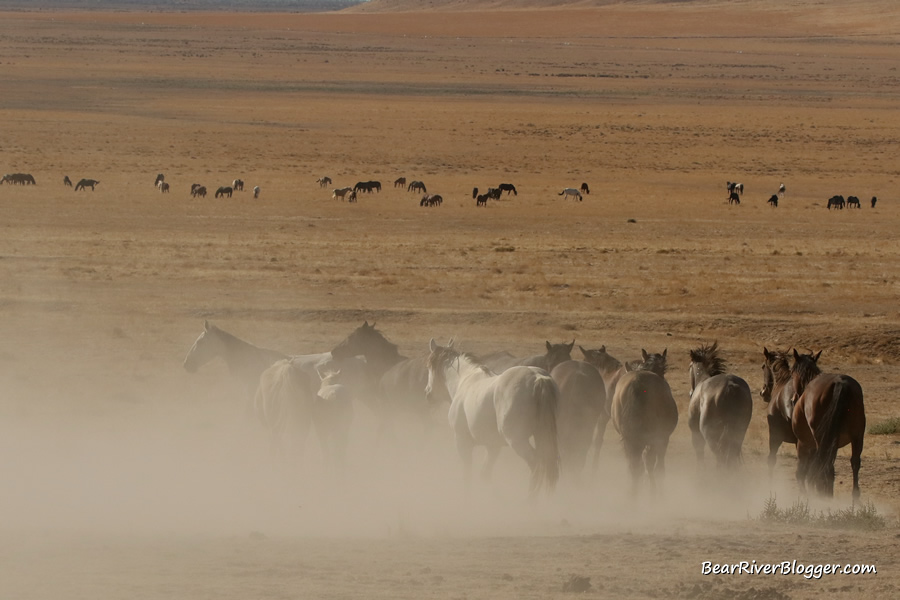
x=125 y=476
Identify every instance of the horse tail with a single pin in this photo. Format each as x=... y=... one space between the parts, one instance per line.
x=562 y=192
x=828 y=430
x=545 y=473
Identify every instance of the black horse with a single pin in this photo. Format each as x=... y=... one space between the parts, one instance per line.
x=874 y=200
x=85 y=183
x=508 y=187
x=481 y=200
x=774 y=200
x=837 y=202
x=67 y=182
x=734 y=198
x=585 y=189
x=853 y=201
x=224 y=191
x=367 y=186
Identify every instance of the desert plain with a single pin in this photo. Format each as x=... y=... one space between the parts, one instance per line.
x=124 y=476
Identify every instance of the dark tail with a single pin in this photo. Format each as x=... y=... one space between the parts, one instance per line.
x=546 y=468
x=827 y=433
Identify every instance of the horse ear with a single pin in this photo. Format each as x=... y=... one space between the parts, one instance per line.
x=816 y=357
x=366 y=324
x=627 y=368
x=665 y=351
x=432 y=345
x=603 y=348
x=796 y=354
x=572 y=345
x=549 y=346
x=715 y=345
x=450 y=343
x=206 y=325
x=644 y=354
x=766 y=353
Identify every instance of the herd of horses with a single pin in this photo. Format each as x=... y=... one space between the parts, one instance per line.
x=550 y=409
x=735 y=190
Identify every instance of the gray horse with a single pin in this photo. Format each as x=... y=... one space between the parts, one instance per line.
x=720 y=408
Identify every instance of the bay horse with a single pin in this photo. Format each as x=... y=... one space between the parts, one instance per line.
x=773 y=201
x=163 y=187
x=238 y=185
x=644 y=413
x=493 y=411
x=583 y=406
x=853 y=201
x=199 y=191
x=66 y=181
x=778 y=394
x=86 y=183
x=417 y=186
x=159 y=177
x=508 y=187
x=720 y=408
x=341 y=193
x=610 y=369
x=734 y=198
x=400 y=182
x=481 y=200
x=585 y=189
x=828 y=415
x=224 y=191
x=571 y=192
x=874 y=200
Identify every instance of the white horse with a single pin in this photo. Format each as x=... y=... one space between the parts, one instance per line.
x=256 y=191
x=781 y=190
x=571 y=192
x=341 y=193
x=497 y=410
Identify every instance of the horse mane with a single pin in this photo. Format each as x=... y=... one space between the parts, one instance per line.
x=805 y=369
x=230 y=337
x=709 y=359
x=655 y=362
x=781 y=366
x=444 y=355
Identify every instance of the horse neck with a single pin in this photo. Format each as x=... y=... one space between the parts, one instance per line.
x=460 y=368
x=245 y=358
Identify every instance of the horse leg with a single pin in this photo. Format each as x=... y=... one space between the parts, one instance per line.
x=523 y=448
x=804 y=458
x=633 y=453
x=856 y=446
x=599 y=432
x=699 y=443
x=775 y=441
x=492 y=453
x=464 y=447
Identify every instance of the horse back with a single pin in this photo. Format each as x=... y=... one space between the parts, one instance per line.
x=723 y=398
x=582 y=390
x=831 y=401
x=516 y=396
x=643 y=406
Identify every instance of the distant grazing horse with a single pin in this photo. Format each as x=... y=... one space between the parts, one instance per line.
x=781 y=190
x=351 y=197
x=163 y=187
x=474 y=192
x=493 y=411
x=773 y=201
x=583 y=405
x=853 y=201
x=734 y=198
x=644 y=412
x=86 y=183
x=417 y=186
x=341 y=193
x=874 y=200
x=720 y=408
x=494 y=193
x=431 y=200
x=159 y=177
x=836 y=202
x=256 y=191
x=828 y=415
x=245 y=361
x=238 y=185
x=400 y=182
x=481 y=200
x=224 y=191
x=200 y=191
x=735 y=187
x=67 y=182
x=508 y=187
x=18 y=179
x=367 y=186
x=571 y=192
x=585 y=189
x=778 y=394
x=323 y=181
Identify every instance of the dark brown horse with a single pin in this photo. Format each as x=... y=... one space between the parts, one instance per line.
x=828 y=415
x=644 y=412
x=778 y=393
x=720 y=408
x=582 y=407
x=610 y=370
x=556 y=353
